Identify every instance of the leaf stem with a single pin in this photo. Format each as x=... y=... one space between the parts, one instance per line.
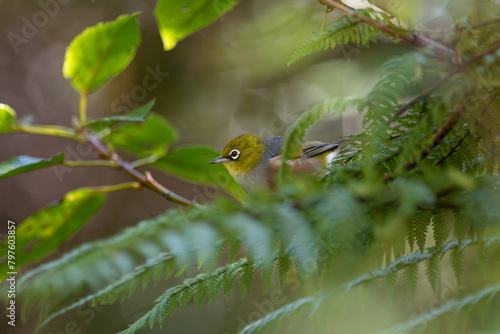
x=50 y=130
x=119 y=186
x=83 y=108
x=324 y=19
x=146 y=180
x=87 y=163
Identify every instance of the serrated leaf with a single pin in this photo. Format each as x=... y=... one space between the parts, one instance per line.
x=100 y=52
x=246 y=278
x=411 y=276
x=178 y=19
x=185 y=296
x=152 y=137
x=421 y=224
x=201 y=293
x=214 y=285
x=7 y=118
x=432 y=271
x=234 y=248
x=45 y=230
x=23 y=164
x=136 y=115
x=158 y=272
x=228 y=280
x=284 y=265
x=169 y=269
x=267 y=272
x=457 y=259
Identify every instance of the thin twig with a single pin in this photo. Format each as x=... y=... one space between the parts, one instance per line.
x=49 y=130
x=444 y=79
x=438 y=136
x=485 y=23
x=457 y=145
x=473 y=26
x=418 y=41
x=377 y=25
x=424 y=93
x=146 y=181
x=439 y=49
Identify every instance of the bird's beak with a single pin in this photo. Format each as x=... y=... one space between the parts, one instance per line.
x=218 y=160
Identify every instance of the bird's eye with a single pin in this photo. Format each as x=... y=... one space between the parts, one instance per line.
x=234 y=154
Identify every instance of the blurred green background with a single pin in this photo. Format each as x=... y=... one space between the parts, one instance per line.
x=227 y=79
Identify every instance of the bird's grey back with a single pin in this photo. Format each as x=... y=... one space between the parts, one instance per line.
x=273 y=147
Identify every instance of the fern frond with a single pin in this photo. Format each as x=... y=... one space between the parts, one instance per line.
x=432 y=271
x=441 y=226
x=411 y=276
x=457 y=259
x=452 y=306
x=410 y=262
x=421 y=224
x=282 y=313
x=112 y=259
x=284 y=265
x=123 y=287
x=413 y=259
x=178 y=296
x=344 y=31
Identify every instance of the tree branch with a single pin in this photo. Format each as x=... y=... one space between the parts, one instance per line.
x=457 y=145
x=377 y=25
x=146 y=181
x=439 y=49
x=49 y=130
x=444 y=79
x=438 y=136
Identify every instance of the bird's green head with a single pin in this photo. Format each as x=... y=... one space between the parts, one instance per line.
x=242 y=154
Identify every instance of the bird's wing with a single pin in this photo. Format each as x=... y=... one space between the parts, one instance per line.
x=312 y=149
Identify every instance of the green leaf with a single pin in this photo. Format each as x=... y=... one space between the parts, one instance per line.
x=178 y=19
x=100 y=52
x=191 y=163
x=48 y=228
x=23 y=164
x=136 y=115
x=7 y=118
x=152 y=137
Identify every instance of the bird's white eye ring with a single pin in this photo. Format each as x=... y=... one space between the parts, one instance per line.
x=234 y=154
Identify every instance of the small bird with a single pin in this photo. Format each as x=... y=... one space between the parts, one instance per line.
x=254 y=161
